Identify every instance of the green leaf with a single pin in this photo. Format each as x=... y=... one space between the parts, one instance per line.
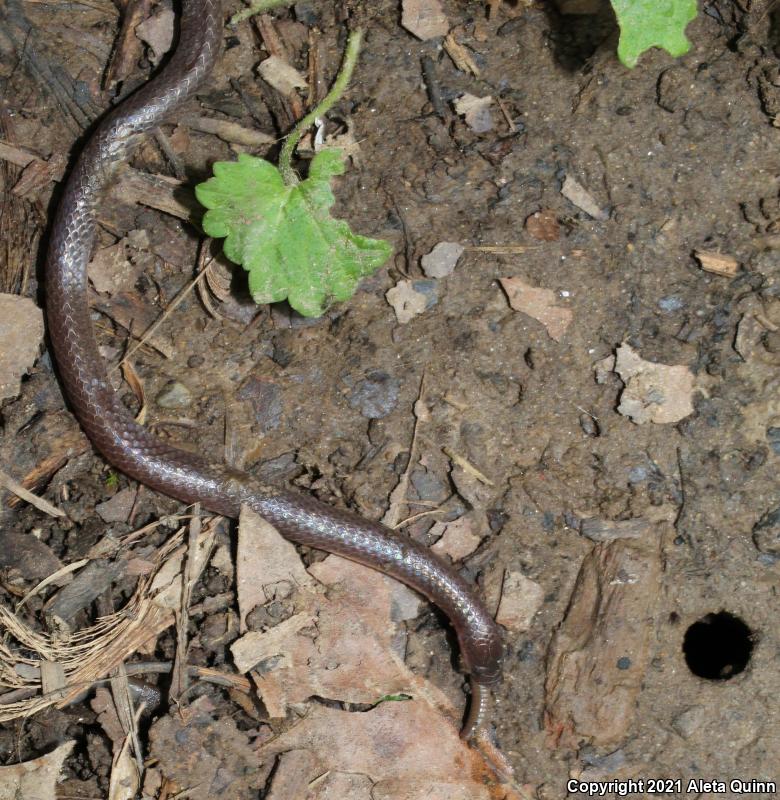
x=652 y=23
x=393 y=698
x=284 y=236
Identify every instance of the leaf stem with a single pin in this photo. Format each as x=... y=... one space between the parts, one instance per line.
x=331 y=98
x=258 y=7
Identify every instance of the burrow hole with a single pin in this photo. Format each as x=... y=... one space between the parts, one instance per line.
x=718 y=646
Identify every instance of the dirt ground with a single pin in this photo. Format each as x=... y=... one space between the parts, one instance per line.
x=681 y=155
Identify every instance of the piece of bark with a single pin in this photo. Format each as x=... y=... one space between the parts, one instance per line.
x=599 y=656
x=83 y=590
x=128 y=47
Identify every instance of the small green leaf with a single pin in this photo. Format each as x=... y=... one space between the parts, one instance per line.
x=652 y=23
x=284 y=236
x=393 y=698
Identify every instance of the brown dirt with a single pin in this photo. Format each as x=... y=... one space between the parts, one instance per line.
x=684 y=155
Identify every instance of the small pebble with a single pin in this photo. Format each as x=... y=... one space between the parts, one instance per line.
x=118 y=508
x=441 y=261
x=429 y=290
x=174 y=395
x=637 y=475
x=689 y=721
x=589 y=425
x=376 y=395
x=671 y=303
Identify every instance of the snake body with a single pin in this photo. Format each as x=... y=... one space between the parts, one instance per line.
x=183 y=475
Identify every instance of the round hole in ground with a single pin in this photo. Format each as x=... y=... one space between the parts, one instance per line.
x=718 y=646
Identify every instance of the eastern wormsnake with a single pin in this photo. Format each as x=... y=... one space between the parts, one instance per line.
x=190 y=478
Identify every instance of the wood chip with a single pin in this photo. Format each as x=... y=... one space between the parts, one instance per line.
x=467 y=466
x=42 y=505
x=230 y=132
x=717 y=263
x=605 y=530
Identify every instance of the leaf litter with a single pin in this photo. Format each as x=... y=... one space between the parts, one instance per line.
x=21 y=334
x=343 y=642
x=541 y=304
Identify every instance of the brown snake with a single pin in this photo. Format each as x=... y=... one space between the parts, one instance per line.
x=191 y=478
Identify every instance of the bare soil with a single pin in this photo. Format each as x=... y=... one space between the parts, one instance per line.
x=682 y=153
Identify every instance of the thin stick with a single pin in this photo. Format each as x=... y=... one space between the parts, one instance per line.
x=9 y=483
x=170 y=308
x=322 y=108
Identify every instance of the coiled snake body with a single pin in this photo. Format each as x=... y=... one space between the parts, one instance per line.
x=191 y=478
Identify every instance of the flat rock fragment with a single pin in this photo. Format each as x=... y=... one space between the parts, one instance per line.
x=441 y=261
x=576 y=193
x=110 y=270
x=521 y=598
x=475 y=112
x=406 y=301
x=457 y=539
x=653 y=392
x=424 y=18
